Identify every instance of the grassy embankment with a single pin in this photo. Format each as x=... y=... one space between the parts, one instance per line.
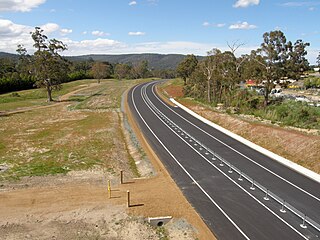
x=81 y=133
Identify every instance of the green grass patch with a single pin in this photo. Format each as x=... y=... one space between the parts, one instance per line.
x=291 y=113
x=36 y=97
x=2 y=146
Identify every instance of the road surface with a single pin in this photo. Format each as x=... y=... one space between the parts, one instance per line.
x=239 y=192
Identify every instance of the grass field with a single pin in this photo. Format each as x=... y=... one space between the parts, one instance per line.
x=81 y=133
x=36 y=97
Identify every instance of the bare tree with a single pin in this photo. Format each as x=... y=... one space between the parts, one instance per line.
x=234 y=46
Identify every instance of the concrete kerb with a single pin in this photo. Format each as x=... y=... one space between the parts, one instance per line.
x=302 y=170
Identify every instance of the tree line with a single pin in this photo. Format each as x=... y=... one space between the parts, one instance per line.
x=48 y=69
x=216 y=78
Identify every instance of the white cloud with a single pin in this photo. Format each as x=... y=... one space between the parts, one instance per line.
x=153 y=2
x=206 y=24
x=99 y=33
x=10 y=29
x=301 y=4
x=136 y=33
x=49 y=28
x=19 y=5
x=96 y=46
x=65 y=31
x=245 y=3
x=242 y=25
x=12 y=34
x=220 y=25
x=132 y=3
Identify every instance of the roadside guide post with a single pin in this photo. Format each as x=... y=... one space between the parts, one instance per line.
x=109 y=188
x=121 y=177
x=128 y=198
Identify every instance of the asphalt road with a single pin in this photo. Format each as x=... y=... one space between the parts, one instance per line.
x=239 y=192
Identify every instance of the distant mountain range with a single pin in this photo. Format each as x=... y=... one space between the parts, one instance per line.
x=8 y=55
x=156 y=61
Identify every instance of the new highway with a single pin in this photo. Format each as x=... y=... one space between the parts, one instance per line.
x=239 y=192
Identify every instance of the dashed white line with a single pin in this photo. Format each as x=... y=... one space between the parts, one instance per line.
x=182 y=167
x=201 y=155
x=263 y=167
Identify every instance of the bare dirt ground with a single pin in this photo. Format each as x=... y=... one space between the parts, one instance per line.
x=298 y=145
x=76 y=205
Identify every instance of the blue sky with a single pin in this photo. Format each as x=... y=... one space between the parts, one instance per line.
x=158 y=26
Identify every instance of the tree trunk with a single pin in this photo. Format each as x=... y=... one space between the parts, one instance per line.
x=184 y=81
x=266 y=96
x=208 y=86
x=49 y=93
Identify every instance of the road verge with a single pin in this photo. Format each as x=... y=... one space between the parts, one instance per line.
x=302 y=170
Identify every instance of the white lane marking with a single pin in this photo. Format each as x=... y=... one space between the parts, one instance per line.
x=258 y=164
x=182 y=167
x=201 y=155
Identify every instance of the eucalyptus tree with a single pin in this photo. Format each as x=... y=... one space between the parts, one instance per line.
x=274 y=55
x=228 y=76
x=24 y=63
x=48 y=67
x=122 y=70
x=101 y=70
x=210 y=69
x=296 y=62
x=186 y=67
x=252 y=67
x=196 y=86
x=141 y=70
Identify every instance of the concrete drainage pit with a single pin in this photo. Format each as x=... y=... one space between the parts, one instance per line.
x=159 y=221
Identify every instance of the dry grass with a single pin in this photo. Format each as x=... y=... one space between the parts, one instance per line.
x=74 y=135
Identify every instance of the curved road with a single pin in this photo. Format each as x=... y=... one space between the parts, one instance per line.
x=239 y=192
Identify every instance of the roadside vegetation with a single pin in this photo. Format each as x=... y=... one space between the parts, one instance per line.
x=283 y=113
x=312 y=82
x=220 y=80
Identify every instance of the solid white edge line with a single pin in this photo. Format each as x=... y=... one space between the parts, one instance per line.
x=271 y=211
x=268 y=170
x=258 y=164
x=240 y=139
x=302 y=170
x=190 y=176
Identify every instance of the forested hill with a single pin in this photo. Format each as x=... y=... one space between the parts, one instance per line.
x=155 y=61
x=8 y=55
